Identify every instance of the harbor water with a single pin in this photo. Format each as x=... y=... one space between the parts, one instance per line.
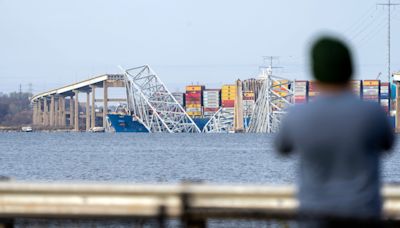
x=154 y=158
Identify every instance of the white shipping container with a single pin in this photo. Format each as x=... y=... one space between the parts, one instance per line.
x=211 y=93
x=211 y=102
x=300 y=88
x=211 y=106
x=371 y=92
x=211 y=99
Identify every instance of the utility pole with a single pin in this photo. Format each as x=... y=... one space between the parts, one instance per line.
x=389 y=5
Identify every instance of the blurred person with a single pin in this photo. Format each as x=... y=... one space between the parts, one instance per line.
x=339 y=139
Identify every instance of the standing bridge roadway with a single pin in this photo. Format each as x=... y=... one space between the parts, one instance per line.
x=60 y=108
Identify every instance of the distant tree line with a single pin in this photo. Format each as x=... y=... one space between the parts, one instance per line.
x=15 y=109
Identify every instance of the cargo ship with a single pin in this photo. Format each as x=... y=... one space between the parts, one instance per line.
x=127 y=123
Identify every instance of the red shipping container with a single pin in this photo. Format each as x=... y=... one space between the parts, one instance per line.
x=228 y=103
x=197 y=95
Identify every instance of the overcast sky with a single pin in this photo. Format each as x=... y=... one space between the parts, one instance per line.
x=51 y=43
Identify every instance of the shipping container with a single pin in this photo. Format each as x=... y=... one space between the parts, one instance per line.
x=228 y=103
x=371 y=90
x=192 y=88
x=300 y=92
x=313 y=91
x=249 y=96
x=385 y=90
x=194 y=114
x=371 y=82
x=356 y=87
x=228 y=96
x=211 y=98
x=193 y=105
x=208 y=112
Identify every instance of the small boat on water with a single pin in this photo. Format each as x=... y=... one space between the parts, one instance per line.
x=97 y=129
x=27 y=129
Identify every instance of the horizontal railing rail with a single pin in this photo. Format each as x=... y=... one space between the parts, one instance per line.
x=196 y=202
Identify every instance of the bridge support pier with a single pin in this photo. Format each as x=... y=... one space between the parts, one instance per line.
x=52 y=109
x=39 y=117
x=45 y=112
x=71 y=111
x=62 y=111
x=76 y=109
x=93 y=110
x=87 y=111
x=35 y=113
x=105 y=103
x=56 y=111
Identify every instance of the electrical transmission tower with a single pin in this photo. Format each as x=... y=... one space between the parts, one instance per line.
x=389 y=5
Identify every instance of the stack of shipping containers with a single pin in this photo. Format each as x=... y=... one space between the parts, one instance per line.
x=211 y=101
x=228 y=96
x=312 y=90
x=253 y=85
x=248 y=103
x=180 y=98
x=300 y=92
x=356 y=88
x=371 y=90
x=194 y=100
x=385 y=96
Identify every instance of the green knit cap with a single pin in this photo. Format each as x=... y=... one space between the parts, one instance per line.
x=331 y=61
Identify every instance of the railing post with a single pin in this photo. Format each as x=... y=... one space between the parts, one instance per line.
x=188 y=219
x=6 y=223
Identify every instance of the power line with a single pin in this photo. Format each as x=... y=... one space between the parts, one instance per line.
x=357 y=23
x=373 y=18
x=374 y=32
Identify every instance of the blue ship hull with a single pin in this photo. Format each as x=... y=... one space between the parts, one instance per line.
x=126 y=123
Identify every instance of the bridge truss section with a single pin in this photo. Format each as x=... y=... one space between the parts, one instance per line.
x=271 y=105
x=152 y=104
x=221 y=122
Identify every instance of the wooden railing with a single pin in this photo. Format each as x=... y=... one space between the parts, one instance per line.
x=193 y=203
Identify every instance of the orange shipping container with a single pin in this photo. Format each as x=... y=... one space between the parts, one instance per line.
x=193 y=105
x=371 y=82
x=192 y=88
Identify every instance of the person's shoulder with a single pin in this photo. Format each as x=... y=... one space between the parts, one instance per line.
x=372 y=110
x=371 y=106
x=298 y=110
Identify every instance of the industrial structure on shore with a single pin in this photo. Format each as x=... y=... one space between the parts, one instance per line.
x=252 y=105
